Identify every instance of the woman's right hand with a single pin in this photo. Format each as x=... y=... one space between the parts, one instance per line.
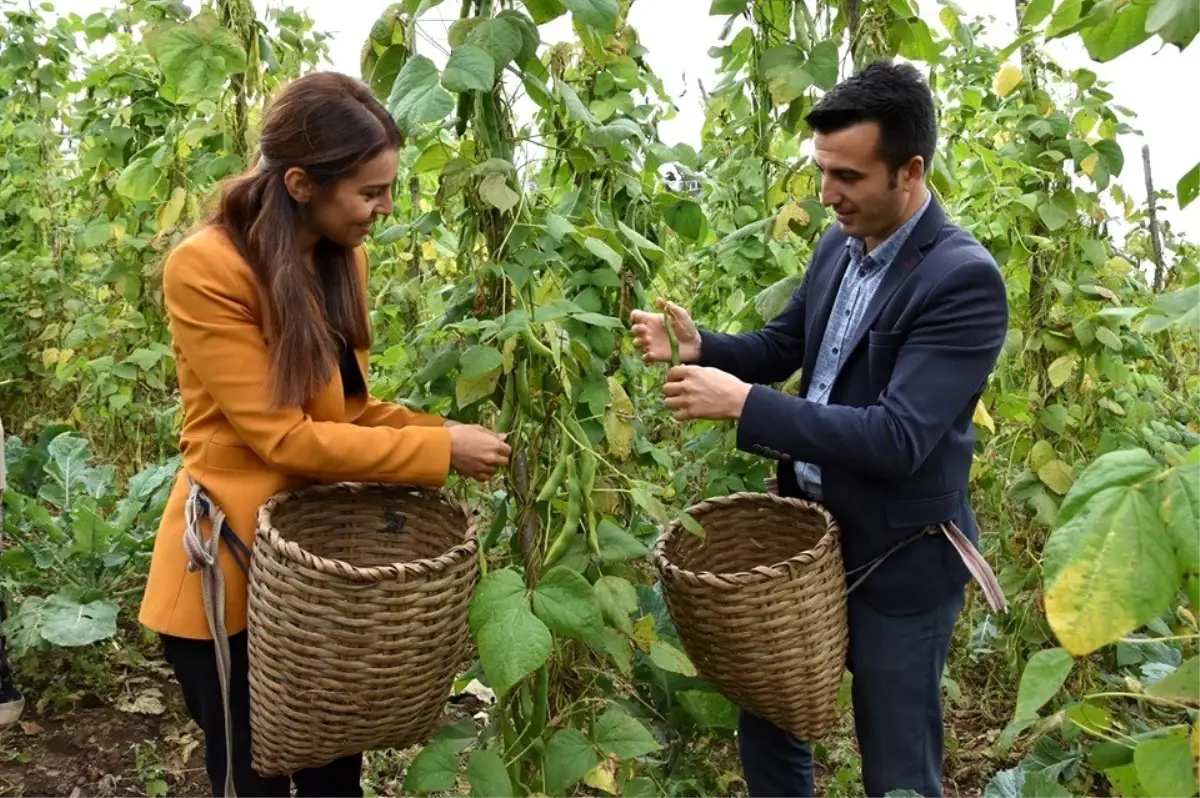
x=650 y=334
x=477 y=452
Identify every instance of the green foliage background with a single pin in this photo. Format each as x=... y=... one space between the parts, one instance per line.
x=501 y=289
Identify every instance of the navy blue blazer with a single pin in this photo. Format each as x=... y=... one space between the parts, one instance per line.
x=894 y=444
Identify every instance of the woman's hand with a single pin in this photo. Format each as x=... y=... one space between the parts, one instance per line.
x=477 y=452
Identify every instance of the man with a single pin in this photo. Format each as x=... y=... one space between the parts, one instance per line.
x=897 y=324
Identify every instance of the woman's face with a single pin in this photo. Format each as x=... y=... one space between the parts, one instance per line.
x=345 y=213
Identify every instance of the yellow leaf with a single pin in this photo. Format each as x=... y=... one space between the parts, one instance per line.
x=49 y=357
x=1057 y=476
x=1007 y=79
x=118 y=231
x=1075 y=622
x=603 y=777
x=429 y=250
x=1089 y=164
x=618 y=429
x=982 y=418
x=643 y=633
x=789 y=213
x=168 y=216
x=508 y=353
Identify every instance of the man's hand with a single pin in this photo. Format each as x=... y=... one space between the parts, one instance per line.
x=650 y=334
x=698 y=392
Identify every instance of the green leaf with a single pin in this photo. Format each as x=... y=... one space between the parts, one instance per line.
x=823 y=63
x=598 y=14
x=1188 y=187
x=576 y=110
x=615 y=132
x=1052 y=215
x=495 y=191
x=620 y=649
x=568 y=605
x=512 y=645
x=604 y=252
x=1125 y=467
x=140 y=180
x=66 y=622
x=501 y=38
x=685 y=218
x=1164 y=766
x=651 y=251
x=479 y=360
x=709 y=710
x=784 y=68
x=671 y=659
x=1043 y=677
x=435 y=769
x=726 y=7
x=1056 y=475
x=1055 y=418
x=1109 y=569
x=1123 y=31
x=488 y=776
x=599 y=320
x=196 y=59
x=544 y=11
x=1036 y=11
x=1176 y=21
x=557 y=226
x=618 y=600
x=469 y=68
x=530 y=40
x=1061 y=370
x=1109 y=339
x=569 y=757
x=622 y=736
x=416 y=96
x=498 y=593
x=1182 y=685
x=1180 y=511
x=617 y=545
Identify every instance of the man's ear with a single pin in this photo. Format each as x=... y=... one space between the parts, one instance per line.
x=915 y=170
x=299 y=185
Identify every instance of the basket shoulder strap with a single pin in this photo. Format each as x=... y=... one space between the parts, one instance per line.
x=203 y=556
x=981 y=572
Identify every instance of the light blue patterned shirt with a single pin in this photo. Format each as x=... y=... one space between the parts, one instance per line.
x=862 y=278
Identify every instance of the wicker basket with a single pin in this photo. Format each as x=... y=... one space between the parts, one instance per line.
x=760 y=605
x=357 y=620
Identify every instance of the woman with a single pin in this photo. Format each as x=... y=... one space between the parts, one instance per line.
x=268 y=316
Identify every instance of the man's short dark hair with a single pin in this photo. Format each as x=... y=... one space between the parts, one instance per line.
x=894 y=96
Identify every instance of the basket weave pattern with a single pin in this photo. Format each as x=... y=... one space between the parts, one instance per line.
x=357 y=620
x=760 y=605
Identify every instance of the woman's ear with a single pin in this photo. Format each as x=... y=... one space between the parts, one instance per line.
x=299 y=185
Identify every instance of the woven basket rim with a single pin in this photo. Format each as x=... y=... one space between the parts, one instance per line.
x=761 y=573
x=377 y=573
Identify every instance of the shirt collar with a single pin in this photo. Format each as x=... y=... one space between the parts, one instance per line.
x=885 y=253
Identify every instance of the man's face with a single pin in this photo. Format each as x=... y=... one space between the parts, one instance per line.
x=858 y=185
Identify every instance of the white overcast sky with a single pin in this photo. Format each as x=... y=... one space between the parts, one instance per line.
x=1153 y=81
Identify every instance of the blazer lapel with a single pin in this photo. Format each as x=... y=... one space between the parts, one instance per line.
x=910 y=256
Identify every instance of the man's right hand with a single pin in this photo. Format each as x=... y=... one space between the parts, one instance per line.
x=650 y=334
x=477 y=452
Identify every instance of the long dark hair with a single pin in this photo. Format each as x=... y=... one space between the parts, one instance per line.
x=327 y=124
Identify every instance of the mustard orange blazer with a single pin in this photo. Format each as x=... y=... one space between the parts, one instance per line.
x=241 y=447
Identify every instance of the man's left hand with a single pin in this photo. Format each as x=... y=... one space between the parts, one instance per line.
x=700 y=392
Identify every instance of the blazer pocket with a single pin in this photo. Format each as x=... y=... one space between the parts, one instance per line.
x=233 y=458
x=882 y=351
x=923 y=512
x=884 y=340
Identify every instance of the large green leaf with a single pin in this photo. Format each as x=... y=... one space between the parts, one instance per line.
x=498 y=593
x=618 y=600
x=488 y=776
x=495 y=191
x=140 y=180
x=785 y=69
x=1182 y=685
x=823 y=63
x=617 y=545
x=66 y=622
x=569 y=757
x=1120 y=33
x=1035 y=12
x=615 y=132
x=435 y=769
x=685 y=218
x=671 y=659
x=598 y=14
x=709 y=710
x=479 y=360
x=1124 y=467
x=1044 y=675
x=469 y=68
x=1109 y=569
x=196 y=59
x=1176 y=21
x=501 y=38
x=567 y=604
x=511 y=646
x=623 y=736
x=1180 y=511
x=1165 y=766
x=416 y=96
x=66 y=470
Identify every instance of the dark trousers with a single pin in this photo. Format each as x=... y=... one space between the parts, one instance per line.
x=195 y=665
x=897 y=663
